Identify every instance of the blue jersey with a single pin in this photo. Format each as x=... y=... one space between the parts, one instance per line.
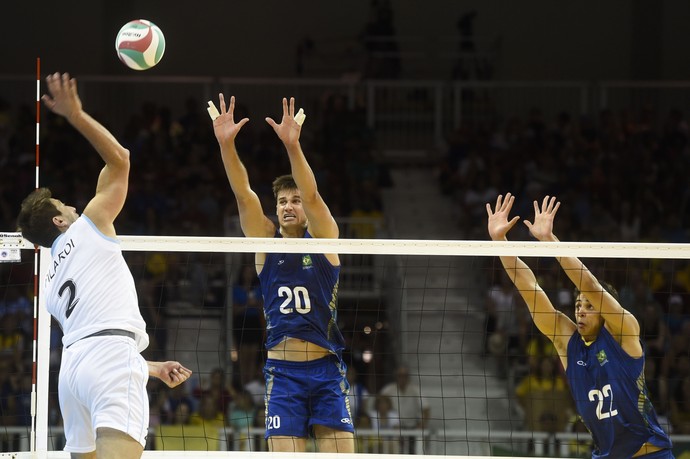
x=610 y=395
x=300 y=294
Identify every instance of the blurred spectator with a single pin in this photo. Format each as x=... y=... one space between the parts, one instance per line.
x=209 y=416
x=241 y=419
x=657 y=387
x=182 y=414
x=407 y=400
x=544 y=397
x=256 y=387
x=384 y=417
x=171 y=412
x=480 y=189
x=583 y=445
x=12 y=340
x=380 y=43
x=636 y=292
x=7 y=403
x=247 y=322
x=629 y=223
x=158 y=405
x=676 y=316
x=654 y=332
x=676 y=363
x=216 y=390
x=680 y=408
x=506 y=322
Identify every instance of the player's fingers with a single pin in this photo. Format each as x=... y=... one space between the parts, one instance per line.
x=286 y=110
x=221 y=101
x=212 y=110
x=292 y=106
x=499 y=200
x=300 y=117
x=53 y=81
x=555 y=209
x=545 y=203
x=271 y=123
x=72 y=83
x=552 y=201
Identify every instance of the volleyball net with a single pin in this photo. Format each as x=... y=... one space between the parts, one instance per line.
x=439 y=316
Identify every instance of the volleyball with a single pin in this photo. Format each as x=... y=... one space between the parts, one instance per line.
x=140 y=44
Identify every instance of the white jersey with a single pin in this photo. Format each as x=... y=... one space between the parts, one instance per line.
x=89 y=287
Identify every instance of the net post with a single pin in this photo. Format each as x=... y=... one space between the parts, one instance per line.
x=43 y=359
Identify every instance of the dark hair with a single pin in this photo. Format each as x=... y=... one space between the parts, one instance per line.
x=35 y=220
x=284 y=182
x=608 y=287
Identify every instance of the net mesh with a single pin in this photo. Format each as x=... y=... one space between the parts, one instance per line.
x=449 y=319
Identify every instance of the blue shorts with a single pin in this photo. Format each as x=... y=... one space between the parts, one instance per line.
x=302 y=394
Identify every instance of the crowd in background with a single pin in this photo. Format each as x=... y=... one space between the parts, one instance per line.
x=620 y=177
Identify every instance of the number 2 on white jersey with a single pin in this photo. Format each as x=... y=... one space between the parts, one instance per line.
x=73 y=300
x=301 y=297
x=600 y=395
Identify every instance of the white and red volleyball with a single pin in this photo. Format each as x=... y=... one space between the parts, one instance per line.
x=140 y=44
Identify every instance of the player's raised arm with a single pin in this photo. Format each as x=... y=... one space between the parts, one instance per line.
x=321 y=222
x=111 y=190
x=551 y=322
x=621 y=323
x=254 y=222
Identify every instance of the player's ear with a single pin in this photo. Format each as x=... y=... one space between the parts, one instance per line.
x=59 y=221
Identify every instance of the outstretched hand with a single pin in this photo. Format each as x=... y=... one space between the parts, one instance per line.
x=542 y=228
x=289 y=129
x=224 y=126
x=498 y=224
x=64 y=98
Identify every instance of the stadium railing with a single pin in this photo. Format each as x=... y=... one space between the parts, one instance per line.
x=424 y=110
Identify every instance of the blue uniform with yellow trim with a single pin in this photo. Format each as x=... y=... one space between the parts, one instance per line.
x=300 y=294
x=610 y=395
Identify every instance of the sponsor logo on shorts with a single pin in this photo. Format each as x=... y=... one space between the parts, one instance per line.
x=346 y=421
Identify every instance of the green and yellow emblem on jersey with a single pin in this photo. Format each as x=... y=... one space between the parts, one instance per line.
x=601 y=357
x=306 y=261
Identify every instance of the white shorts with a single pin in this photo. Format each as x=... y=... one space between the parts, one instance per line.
x=102 y=384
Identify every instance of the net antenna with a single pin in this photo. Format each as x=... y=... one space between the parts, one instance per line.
x=34 y=364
